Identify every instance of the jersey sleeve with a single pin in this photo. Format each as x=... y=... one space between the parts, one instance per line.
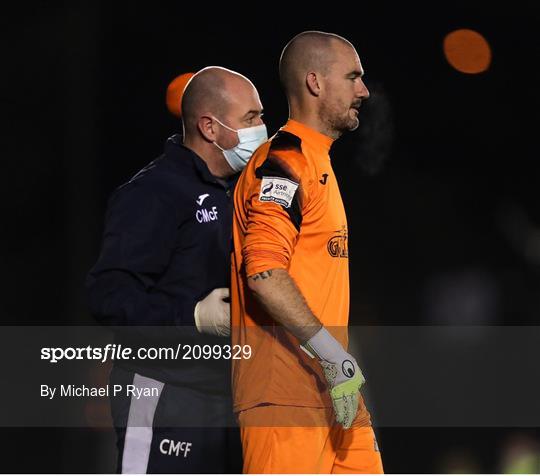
x=276 y=198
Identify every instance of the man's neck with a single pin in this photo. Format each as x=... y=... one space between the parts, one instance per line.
x=216 y=165
x=312 y=120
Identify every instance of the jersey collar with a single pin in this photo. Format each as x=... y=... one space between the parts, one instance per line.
x=309 y=135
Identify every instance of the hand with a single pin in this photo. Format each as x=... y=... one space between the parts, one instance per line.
x=342 y=373
x=213 y=314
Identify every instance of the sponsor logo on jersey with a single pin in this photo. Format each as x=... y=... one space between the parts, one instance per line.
x=324 y=179
x=337 y=245
x=279 y=190
x=176 y=448
x=266 y=189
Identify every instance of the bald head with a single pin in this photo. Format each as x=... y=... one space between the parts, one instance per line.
x=306 y=52
x=212 y=90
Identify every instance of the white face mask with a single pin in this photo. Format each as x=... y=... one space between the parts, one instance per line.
x=249 y=139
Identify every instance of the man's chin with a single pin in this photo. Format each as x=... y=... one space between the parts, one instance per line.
x=353 y=125
x=346 y=124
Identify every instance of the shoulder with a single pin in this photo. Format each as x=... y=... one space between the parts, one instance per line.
x=284 y=158
x=155 y=182
x=281 y=173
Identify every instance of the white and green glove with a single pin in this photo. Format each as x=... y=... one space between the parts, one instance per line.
x=342 y=373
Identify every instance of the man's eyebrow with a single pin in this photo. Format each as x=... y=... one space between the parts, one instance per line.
x=356 y=73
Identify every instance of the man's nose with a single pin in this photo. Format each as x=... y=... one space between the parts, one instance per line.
x=363 y=91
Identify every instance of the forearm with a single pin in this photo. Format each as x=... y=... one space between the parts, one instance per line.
x=278 y=294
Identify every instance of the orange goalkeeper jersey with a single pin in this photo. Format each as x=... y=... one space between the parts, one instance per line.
x=289 y=215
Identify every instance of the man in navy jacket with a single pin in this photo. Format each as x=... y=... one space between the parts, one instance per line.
x=162 y=279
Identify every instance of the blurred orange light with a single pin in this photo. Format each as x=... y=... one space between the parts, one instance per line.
x=467 y=51
x=175 y=91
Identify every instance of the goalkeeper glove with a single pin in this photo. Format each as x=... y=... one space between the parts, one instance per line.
x=342 y=373
x=213 y=314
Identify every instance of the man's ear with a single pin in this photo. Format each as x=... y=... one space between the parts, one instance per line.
x=206 y=127
x=312 y=82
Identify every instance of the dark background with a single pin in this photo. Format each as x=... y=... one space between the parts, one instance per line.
x=439 y=182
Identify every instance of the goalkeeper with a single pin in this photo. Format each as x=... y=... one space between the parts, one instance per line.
x=300 y=411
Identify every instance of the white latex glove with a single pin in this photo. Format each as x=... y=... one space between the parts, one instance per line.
x=213 y=314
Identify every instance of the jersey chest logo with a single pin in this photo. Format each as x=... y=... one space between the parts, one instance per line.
x=337 y=245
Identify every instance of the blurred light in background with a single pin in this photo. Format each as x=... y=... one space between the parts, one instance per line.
x=520 y=455
x=97 y=410
x=459 y=461
x=467 y=297
x=467 y=51
x=175 y=90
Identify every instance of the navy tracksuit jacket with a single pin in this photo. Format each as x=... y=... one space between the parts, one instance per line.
x=166 y=245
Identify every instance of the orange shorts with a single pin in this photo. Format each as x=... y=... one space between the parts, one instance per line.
x=305 y=449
